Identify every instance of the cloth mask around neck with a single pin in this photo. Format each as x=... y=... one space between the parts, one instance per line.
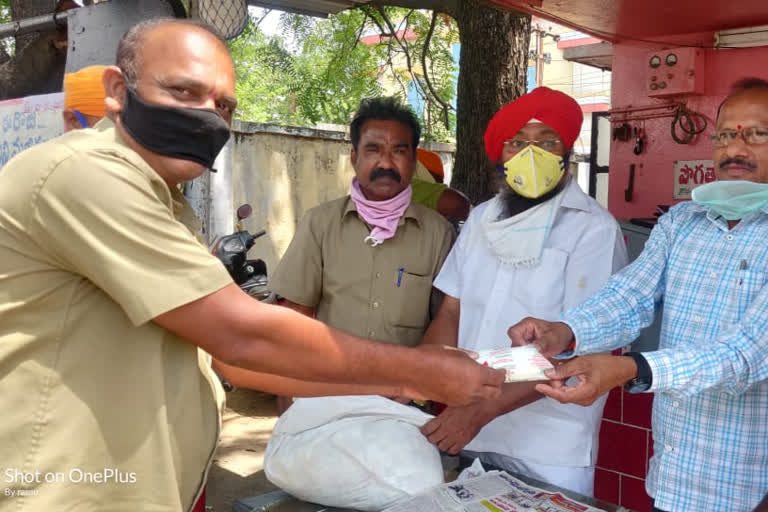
x=733 y=200
x=194 y=134
x=383 y=216
x=533 y=172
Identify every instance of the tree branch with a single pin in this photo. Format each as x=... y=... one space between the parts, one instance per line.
x=393 y=32
x=450 y=7
x=360 y=32
x=256 y=25
x=383 y=33
x=435 y=95
x=403 y=43
x=382 y=30
x=394 y=71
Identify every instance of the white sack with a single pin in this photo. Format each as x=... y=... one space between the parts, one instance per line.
x=360 y=452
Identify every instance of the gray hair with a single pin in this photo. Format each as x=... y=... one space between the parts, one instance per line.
x=129 y=55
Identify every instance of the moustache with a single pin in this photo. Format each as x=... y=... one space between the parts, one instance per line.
x=385 y=173
x=737 y=161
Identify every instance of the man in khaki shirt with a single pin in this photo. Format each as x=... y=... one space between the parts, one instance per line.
x=106 y=299
x=338 y=269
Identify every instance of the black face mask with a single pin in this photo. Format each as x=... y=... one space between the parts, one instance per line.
x=194 y=134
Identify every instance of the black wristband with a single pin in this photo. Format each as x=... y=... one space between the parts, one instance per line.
x=644 y=379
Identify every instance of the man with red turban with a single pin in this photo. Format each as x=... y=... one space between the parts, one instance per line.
x=537 y=248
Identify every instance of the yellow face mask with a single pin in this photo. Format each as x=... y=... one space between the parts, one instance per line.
x=533 y=172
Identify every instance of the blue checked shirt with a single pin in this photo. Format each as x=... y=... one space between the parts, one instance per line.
x=710 y=413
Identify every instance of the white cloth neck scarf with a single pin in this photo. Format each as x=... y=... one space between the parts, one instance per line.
x=519 y=240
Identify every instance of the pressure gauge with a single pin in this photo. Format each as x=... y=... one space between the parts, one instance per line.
x=671 y=59
x=655 y=61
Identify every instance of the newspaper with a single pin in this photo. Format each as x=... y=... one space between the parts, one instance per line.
x=494 y=491
x=521 y=363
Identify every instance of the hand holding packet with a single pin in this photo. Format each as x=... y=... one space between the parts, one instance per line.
x=521 y=363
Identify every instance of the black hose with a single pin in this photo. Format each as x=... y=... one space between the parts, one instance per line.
x=687 y=120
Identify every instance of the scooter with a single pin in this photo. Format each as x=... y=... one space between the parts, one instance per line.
x=249 y=274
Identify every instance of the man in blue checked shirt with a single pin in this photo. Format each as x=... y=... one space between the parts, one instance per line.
x=707 y=260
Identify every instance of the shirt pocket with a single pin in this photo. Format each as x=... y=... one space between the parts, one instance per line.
x=746 y=285
x=413 y=296
x=541 y=289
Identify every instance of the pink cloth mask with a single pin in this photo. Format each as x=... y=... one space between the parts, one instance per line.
x=382 y=215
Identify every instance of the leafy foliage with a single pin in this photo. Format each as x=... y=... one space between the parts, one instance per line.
x=5 y=11
x=323 y=80
x=7 y=44
x=318 y=70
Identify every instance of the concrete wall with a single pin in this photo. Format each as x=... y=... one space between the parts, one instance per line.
x=283 y=172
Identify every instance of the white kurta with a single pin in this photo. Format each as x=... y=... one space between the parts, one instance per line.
x=584 y=247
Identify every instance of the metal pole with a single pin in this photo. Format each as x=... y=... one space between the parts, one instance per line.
x=539 y=56
x=222 y=209
x=34 y=24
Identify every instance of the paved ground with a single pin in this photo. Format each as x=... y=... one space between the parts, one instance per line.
x=237 y=467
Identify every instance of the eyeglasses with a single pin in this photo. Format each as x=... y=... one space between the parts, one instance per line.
x=545 y=144
x=752 y=135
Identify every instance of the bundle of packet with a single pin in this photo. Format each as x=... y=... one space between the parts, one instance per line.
x=521 y=363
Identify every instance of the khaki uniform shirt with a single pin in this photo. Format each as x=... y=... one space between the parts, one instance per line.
x=383 y=293
x=102 y=408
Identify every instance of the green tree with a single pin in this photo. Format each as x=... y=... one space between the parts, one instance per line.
x=6 y=45
x=265 y=74
x=426 y=62
x=329 y=69
x=322 y=80
x=325 y=75
x=5 y=11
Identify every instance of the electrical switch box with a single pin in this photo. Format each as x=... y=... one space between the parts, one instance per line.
x=675 y=72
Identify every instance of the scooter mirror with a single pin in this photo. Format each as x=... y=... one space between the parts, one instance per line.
x=244 y=211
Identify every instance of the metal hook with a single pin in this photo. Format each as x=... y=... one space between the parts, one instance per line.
x=639 y=141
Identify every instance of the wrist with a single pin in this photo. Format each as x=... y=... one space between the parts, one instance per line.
x=567 y=337
x=638 y=372
x=487 y=410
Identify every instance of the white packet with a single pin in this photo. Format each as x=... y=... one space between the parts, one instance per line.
x=521 y=363
x=473 y=471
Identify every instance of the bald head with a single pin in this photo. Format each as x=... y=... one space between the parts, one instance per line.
x=169 y=68
x=130 y=49
x=743 y=114
x=754 y=87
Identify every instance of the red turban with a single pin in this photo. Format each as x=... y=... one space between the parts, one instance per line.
x=553 y=108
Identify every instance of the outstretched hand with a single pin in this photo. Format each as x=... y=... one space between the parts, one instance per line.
x=454 y=428
x=597 y=374
x=452 y=377
x=550 y=338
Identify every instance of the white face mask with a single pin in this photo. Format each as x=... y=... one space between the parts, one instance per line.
x=533 y=171
x=733 y=200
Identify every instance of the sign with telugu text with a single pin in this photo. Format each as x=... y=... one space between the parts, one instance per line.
x=25 y=122
x=689 y=174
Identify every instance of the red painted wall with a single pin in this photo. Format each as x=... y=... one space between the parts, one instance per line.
x=626 y=445
x=654 y=168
